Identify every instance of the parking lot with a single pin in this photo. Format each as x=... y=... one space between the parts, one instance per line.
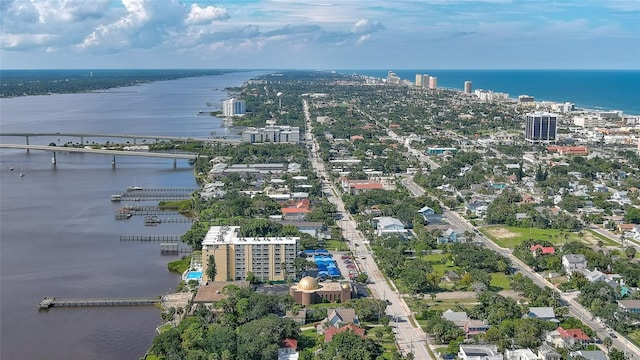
x=347 y=265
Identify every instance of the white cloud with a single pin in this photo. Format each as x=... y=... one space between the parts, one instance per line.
x=199 y=15
x=366 y=26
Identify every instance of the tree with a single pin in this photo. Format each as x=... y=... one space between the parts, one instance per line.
x=607 y=343
x=211 y=268
x=630 y=252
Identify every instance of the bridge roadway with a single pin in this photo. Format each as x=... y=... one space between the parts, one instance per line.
x=122 y=136
x=99 y=151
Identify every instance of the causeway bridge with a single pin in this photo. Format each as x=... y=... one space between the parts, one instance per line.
x=134 y=137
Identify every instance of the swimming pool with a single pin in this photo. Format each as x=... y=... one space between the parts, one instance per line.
x=193 y=275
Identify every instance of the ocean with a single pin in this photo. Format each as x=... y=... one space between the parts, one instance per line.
x=58 y=234
x=588 y=89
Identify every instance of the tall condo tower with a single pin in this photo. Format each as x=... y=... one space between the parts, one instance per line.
x=418 y=79
x=425 y=80
x=467 y=87
x=540 y=127
x=433 y=82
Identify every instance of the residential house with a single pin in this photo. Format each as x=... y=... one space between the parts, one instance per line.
x=448 y=237
x=625 y=228
x=288 y=350
x=451 y=276
x=588 y=355
x=612 y=280
x=386 y=225
x=426 y=211
x=295 y=213
x=355 y=187
x=542 y=250
x=329 y=333
x=457 y=317
x=572 y=262
x=543 y=313
x=479 y=352
x=341 y=316
x=313 y=228
x=621 y=197
x=299 y=318
x=629 y=305
x=547 y=352
x=521 y=354
x=567 y=338
x=474 y=327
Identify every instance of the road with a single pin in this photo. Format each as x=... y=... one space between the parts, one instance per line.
x=575 y=309
x=409 y=338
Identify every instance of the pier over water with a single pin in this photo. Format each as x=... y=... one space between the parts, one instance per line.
x=50 y=302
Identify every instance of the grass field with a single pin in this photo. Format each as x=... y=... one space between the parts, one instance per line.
x=509 y=236
x=635 y=337
x=336 y=245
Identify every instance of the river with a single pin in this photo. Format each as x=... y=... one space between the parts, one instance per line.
x=58 y=234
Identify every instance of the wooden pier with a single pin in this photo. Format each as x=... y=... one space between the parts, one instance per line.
x=50 y=302
x=164 y=238
x=154 y=220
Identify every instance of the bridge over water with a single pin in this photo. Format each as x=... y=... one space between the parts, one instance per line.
x=134 y=137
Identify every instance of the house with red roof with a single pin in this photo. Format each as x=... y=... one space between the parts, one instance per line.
x=542 y=250
x=330 y=332
x=567 y=338
x=355 y=187
x=297 y=211
x=288 y=350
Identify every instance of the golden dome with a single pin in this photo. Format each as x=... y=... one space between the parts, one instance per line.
x=346 y=286
x=308 y=283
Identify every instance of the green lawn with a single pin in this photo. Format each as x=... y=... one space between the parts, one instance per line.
x=605 y=240
x=500 y=280
x=509 y=236
x=433 y=258
x=635 y=337
x=336 y=244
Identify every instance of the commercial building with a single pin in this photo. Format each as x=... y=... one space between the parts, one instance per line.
x=419 y=80
x=272 y=133
x=268 y=258
x=540 y=127
x=433 y=82
x=393 y=78
x=467 y=87
x=233 y=107
x=526 y=100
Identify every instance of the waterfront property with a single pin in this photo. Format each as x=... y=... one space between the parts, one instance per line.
x=268 y=258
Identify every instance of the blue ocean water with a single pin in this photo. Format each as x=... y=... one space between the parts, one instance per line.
x=590 y=89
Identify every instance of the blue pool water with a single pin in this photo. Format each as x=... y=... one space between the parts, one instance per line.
x=194 y=275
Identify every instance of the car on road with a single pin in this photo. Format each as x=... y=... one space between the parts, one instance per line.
x=612 y=335
x=597 y=340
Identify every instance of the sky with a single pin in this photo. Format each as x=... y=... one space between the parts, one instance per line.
x=320 y=34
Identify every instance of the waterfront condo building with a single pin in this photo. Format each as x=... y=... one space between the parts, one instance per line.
x=233 y=107
x=272 y=133
x=433 y=82
x=268 y=258
x=540 y=127
x=467 y=87
x=425 y=80
x=419 y=80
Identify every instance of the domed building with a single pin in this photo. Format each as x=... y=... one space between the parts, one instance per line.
x=308 y=291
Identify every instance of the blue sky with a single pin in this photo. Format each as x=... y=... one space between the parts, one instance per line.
x=321 y=34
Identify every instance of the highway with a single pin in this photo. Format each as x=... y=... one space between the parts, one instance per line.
x=119 y=136
x=99 y=151
x=410 y=339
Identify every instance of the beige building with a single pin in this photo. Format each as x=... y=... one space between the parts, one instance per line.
x=268 y=258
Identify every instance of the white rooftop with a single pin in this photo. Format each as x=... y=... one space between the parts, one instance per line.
x=229 y=235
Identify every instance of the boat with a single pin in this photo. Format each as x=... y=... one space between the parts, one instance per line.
x=116 y=197
x=11 y=168
x=21 y=170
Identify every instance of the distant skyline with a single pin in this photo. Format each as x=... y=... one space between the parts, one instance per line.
x=320 y=34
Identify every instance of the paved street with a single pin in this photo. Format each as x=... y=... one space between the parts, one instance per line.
x=409 y=338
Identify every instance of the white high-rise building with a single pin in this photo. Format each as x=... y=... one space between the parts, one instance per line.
x=540 y=127
x=425 y=80
x=233 y=107
x=419 y=80
x=467 y=87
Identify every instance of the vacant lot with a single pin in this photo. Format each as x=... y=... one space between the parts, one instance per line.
x=509 y=236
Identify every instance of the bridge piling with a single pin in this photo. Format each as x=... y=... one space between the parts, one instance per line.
x=27 y=142
x=53 y=159
x=113 y=162
x=175 y=163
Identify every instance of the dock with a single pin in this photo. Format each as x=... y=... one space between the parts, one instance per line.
x=164 y=238
x=154 y=220
x=50 y=302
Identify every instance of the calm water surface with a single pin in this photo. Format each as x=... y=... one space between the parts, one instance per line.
x=58 y=235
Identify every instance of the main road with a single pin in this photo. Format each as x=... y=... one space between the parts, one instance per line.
x=410 y=339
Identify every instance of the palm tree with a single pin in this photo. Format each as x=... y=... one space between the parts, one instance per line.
x=607 y=342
